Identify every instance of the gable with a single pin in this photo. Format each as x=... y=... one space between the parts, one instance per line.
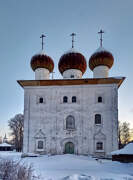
x=39 y=134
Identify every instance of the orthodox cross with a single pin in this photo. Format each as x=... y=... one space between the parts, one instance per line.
x=73 y=34
x=101 y=37
x=42 y=36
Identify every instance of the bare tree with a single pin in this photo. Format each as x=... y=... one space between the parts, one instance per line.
x=16 y=126
x=124 y=134
x=13 y=170
x=120 y=135
x=131 y=133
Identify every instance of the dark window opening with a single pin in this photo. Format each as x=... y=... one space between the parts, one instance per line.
x=99 y=99
x=72 y=76
x=70 y=122
x=97 y=118
x=74 y=99
x=41 y=100
x=40 y=144
x=65 y=99
x=99 y=146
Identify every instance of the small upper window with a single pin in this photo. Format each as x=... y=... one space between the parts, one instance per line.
x=97 y=118
x=74 y=99
x=40 y=100
x=72 y=76
x=65 y=99
x=40 y=145
x=99 y=146
x=100 y=99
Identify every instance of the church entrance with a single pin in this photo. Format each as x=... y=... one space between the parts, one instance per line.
x=69 y=148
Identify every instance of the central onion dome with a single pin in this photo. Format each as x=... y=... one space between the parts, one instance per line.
x=101 y=57
x=41 y=60
x=72 y=60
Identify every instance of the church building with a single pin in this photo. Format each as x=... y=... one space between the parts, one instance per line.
x=73 y=115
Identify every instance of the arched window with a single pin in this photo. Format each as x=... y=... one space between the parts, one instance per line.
x=100 y=99
x=40 y=145
x=97 y=118
x=65 y=99
x=40 y=100
x=70 y=122
x=74 y=99
x=99 y=146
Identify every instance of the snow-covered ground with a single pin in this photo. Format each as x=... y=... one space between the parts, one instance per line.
x=73 y=167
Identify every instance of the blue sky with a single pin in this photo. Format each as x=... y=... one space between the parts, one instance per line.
x=22 y=22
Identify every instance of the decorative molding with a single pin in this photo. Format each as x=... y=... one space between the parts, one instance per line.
x=40 y=135
x=99 y=135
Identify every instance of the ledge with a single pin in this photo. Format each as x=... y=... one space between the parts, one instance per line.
x=67 y=82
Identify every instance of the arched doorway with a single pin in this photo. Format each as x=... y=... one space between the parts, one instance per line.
x=69 y=148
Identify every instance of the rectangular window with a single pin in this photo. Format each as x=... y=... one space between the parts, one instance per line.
x=97 y=118
x=74 y=99
x=99 y=146
x=40 y=145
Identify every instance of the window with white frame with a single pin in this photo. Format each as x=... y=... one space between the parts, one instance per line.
x=40 y=145
x=99 y=146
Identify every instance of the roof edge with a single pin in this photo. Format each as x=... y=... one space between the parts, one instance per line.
x=65 y=82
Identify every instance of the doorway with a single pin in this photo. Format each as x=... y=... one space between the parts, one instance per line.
x=69 y=148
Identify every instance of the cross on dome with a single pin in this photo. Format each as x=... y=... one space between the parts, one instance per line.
x=42 y=61
x=42 y=36
x=73 y=34
x=101 y=57
x=101 y=37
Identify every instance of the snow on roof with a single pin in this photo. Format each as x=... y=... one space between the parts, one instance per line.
x=41 y=52
x=100 y=49
x=72 y=50
x=128 y=149
x=118 y=77
x=5 y=145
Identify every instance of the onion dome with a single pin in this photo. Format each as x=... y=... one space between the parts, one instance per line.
x=101 y=57
x=41 y=60
x=72 y=60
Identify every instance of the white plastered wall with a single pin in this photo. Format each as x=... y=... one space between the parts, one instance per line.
x=50 y=117
x=100 y=72
x=72 y=74
x=41 y=73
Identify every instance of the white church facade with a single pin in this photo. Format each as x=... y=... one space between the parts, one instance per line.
x=71 y=115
